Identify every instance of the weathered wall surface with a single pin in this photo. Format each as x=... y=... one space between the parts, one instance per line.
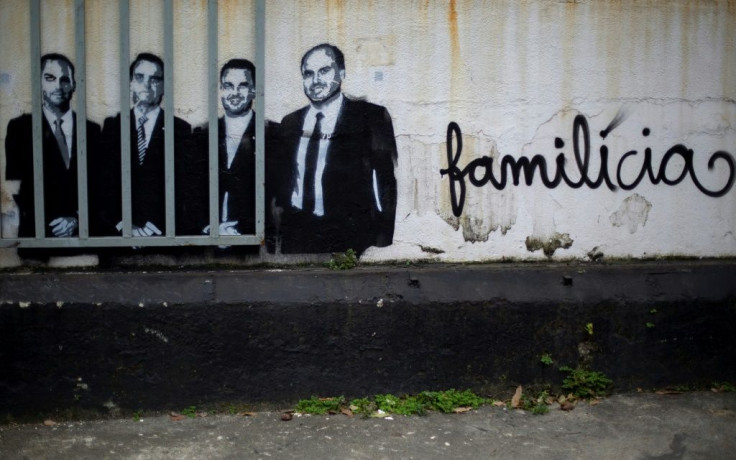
x=657 y=78
x=167 y=340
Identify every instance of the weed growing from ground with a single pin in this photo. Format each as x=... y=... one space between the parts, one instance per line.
x=320 y=406
x=386 y=404
x=343 y=261
x=584 y=383
x=546 y=359
x=190 y=411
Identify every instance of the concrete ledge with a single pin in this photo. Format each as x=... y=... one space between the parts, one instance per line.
x=87 y=341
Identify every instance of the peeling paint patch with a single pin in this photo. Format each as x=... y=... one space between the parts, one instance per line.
x=549 y=245
x=633 y=212
x=158 y=334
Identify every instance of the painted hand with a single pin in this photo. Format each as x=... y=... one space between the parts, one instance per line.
x=64 y=226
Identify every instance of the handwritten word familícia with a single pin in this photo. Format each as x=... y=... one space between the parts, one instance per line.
x=479 y=171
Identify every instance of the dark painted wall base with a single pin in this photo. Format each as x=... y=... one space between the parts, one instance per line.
x=169 y=340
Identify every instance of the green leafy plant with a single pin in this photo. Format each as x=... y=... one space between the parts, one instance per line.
x=536 y=405
x=385 y=404
x=137 y=415
x=448 y=401
x=343 y=261
x=320 y=406
x=589 y=328
x=546 y=359
x=584 y=383
x=190 y=411
x=649 y=324
x=726 y=387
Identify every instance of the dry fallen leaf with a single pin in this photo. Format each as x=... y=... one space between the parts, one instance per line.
x=516 y=399
x=286 y=416
x=567 y=406
x=594 y=402
x=460 y=410
x=49 y=422
x=175 y=416
x=499 y=403
x=347 y=412
x=668 y=392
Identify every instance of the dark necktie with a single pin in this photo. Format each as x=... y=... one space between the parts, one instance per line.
x=141 y=140
x=61 y=140
x=310 y=167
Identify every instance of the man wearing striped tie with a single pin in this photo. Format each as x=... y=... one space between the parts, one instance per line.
x=147 y=160
x=59 y=153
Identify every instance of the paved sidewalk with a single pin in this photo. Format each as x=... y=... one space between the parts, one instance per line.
x=698 y=425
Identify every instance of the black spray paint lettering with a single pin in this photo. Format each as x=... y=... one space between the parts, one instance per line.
x=479 y=172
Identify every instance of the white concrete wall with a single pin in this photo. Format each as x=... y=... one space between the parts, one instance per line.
x=512 y=74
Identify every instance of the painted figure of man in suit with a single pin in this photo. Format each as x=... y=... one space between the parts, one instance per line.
x=59 y=138
x=237 y=153
x=339 y=189
x=236 y=150
x=148 y=196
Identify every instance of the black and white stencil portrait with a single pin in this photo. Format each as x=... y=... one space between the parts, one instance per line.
x=59 y=139
x=147 y=160
x=236 y=152
x=337 y=184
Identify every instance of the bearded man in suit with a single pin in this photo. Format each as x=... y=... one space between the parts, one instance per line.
x=338 y=189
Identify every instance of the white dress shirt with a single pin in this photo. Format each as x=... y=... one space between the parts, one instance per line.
x=234 y=129
x=331 y=111
x=67 y=126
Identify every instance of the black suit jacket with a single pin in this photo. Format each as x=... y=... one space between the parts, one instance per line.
x=362 y=145
x=60 y=183
x=148 y=197
x=239 y=179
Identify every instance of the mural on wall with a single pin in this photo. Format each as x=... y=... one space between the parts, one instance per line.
x=480 y=171
x=59 y=142
x=531 y=162
x=236 y=150
x=330 y=168
x=236 y=153
x=147 y=160
x=336 y=188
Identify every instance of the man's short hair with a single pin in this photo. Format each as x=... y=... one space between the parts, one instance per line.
x=57 y=57
x=239 y=64
x=150 y=57
x=331 y=50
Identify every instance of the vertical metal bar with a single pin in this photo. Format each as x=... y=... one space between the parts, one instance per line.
x=81 y=91
x=124 y=11
x=260 y=104
x=169 y=117
x=37 y=120
x=212 y=101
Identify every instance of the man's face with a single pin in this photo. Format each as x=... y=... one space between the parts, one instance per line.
x=147 y=84
x=237 y=91
x=321 y=76
x=57 y=84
